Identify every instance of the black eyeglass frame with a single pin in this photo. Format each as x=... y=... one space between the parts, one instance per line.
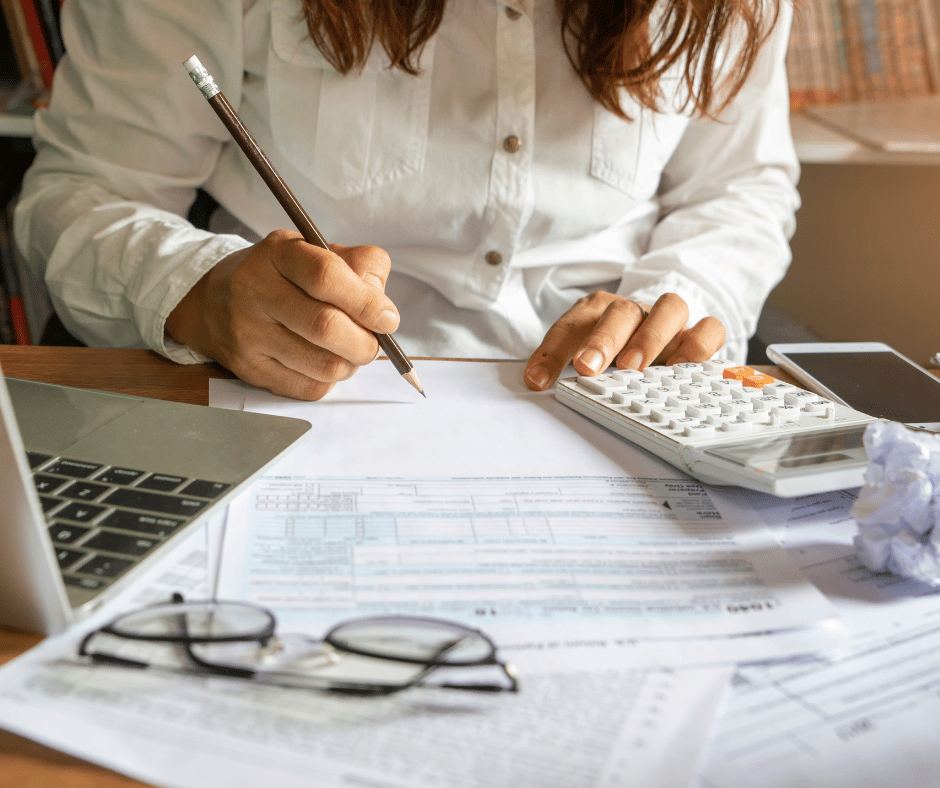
x=264 y=634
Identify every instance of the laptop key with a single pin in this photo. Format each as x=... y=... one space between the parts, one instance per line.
x=204 y=489
x=67 y=534
x=67 y=558
x=119 y=476
x=36 y=458
x=82 y=512
x=161 y=482
x=91 y=583
x=141 y=523
x=103 y=566
x=77 y=469
x=134 y=498
x=48 y=503
x=84 y=491
x=121 y=543
x=47 y=484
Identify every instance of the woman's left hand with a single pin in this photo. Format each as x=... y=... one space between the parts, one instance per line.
x=603 y=328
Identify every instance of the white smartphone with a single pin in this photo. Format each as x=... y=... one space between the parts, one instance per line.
x=870 y=377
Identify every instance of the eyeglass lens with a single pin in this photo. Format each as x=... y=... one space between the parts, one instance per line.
x=202 y=620
x=427 y=641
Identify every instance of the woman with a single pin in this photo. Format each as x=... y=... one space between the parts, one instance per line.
x=527 y=179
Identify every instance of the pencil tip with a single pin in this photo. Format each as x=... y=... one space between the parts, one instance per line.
x=412 y=378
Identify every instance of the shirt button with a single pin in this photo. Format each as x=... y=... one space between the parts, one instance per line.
x=512 y=13
x=493 y=258
x=512 y=143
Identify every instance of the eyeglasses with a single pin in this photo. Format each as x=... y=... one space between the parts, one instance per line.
x=365 y=656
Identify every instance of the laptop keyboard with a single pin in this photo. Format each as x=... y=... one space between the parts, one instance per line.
x=104 y=519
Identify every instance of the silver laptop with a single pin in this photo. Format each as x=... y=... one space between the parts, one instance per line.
x=94 y=485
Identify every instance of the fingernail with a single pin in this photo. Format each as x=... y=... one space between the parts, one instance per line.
x=633 y=360
x=592 y=359
x=388 y=322
x=538 y=377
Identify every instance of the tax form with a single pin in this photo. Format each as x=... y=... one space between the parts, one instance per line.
x=501 y=508
x=867 y=716
x=598 y=729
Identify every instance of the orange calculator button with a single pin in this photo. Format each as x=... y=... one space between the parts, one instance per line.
x=737 y=373
x=757 y=380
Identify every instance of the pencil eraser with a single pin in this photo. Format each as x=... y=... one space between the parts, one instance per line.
x=192 y=64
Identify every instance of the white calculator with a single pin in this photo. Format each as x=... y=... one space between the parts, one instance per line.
x=727 y=424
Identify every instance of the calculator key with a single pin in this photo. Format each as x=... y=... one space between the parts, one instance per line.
x=119 y=476
x=660 y=372
x=717 y=419
x=716 y=365
x=736 y=373
x=626 y=396
x=644 y=406
x=665 y=415
x=47 y=484
x=702 y=411
x=659 y=392
x=161 y=482
x=737 y=426
x=597 y=384
x=681 y=401
x=799 y=396
x=626 y=375
x=682 y=423
x=757 y=380
x=644 y=383
x=766 y=403
x=778 y=388
x=755 y=416
x=67 y=534
x=726 y=385
x=821 y=407
x=694 y=389
x=688 y=367
x=700 y=431
x=736 y=406
x=785 y=414
x=74 y=468
x=716 y=397
x=704 y=377
x=673 y=383
x=204 y=489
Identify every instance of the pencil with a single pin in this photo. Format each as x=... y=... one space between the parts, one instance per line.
x=284 y=195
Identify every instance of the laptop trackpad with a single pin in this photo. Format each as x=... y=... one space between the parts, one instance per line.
x=52 y=418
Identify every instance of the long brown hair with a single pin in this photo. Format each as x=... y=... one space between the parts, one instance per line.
x=608 y=42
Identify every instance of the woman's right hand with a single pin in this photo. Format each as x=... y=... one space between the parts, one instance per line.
x=289 y=316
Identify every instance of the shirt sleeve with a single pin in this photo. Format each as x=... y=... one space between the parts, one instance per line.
x=727 y=206
x=121 y=149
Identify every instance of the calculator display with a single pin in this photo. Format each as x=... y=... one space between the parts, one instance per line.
x=782 y=453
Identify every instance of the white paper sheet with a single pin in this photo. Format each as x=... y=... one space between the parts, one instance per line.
x=502 y=508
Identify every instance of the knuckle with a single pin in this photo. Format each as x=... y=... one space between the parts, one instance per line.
x=330 y=368
x=323 y=323
x=313 y=390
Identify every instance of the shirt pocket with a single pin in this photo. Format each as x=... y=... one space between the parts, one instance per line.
x=349 y=134
x=630 y=155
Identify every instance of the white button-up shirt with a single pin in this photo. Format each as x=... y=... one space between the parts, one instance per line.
x=501 y=190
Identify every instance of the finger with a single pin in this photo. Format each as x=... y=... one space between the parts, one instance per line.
x=610 y=333
x=700 y=342
x=325 y=276
x=371 y=263
x=563 y=339
x=667 y=317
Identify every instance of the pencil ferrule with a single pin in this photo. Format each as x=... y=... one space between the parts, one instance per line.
x=204 y=82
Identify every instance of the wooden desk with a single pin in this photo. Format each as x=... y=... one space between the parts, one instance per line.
x=140 y=372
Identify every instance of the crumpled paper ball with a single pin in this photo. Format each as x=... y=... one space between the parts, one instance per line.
x=899 y=505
